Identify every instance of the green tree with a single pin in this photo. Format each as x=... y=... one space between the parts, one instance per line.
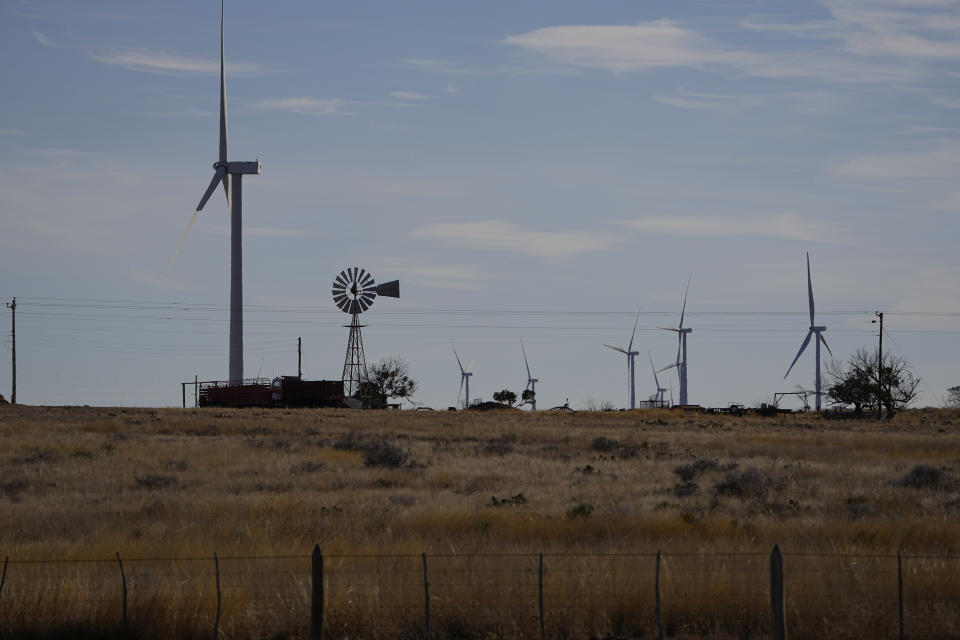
x=863 y=381
x=391 y=378
x=506 y=397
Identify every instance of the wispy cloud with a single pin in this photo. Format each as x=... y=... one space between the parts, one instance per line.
x=784 y=225
x=304 y=105
x=499 y=235
x=155 y=280
x=153 y=61
x=438 y=276
x=727 y=103
x=11 y=132
x=942 y=163
x=409 y=95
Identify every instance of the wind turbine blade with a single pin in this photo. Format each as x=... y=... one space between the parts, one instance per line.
x=221 y=171
x=632 y=335
x=810 y=289
x=223 y=112
x=669 y=366
x=824 y=341
x=615 y=348
x=193 y=219
x=470 y=366
x=459 y=364
x=460 y=393
x=679 y=345
x=803 y=346
x=657 y=382
x=525 y=361
x=683 y=311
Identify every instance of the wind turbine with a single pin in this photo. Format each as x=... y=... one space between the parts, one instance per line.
x=230 y=175
x=464 y=379
x=531 y=381
x=681 y=362
x=658 y=396
x=816 y=332
x=631 y=354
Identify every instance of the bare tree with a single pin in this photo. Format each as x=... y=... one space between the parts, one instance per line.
x=953 y=397
x=391 y=378
x=864 y=381
x=591 y=404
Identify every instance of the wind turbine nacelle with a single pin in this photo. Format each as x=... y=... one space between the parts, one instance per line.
x=244 y=168
x=818 y=329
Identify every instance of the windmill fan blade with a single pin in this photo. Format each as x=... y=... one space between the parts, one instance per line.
x=525 y=362
x=615 y=348
x=389 y=289
x=669 y=366
x=683 y=311
x=657 y=382
x=460 y=393
x=632 y=335
x=824 y=341
x=193 y=219
x=803 y=346
x=674 y=329
x=470 y=366
x=223 y=110
x=459 y=364
x=679 y=346
x=810 y=289
x=221 y=171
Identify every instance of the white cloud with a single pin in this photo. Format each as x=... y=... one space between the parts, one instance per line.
x=438 y=276
x=11 y=132
x=942 y=163
x=452 y=89
x=409 y=95
x=785 y=225
x=304 y=105
x=499 y=235
x=727 y=103
x=44 y=40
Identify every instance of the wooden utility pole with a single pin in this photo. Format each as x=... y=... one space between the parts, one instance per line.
x=880 y=368
x=13 y=335
x=299 y=352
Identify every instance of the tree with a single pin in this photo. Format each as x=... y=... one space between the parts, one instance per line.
x=860 y=382
x=391 y=378
x=953 y=397
x=506 y=397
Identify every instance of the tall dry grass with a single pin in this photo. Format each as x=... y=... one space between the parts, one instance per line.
x=714 y=493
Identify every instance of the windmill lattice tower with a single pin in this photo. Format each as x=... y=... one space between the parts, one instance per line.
x=354 y=291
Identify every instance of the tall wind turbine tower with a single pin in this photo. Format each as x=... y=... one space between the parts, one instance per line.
x=815 y=331
x=464 y=379
x=681 y=362
x=631 y=354
x=531 y=381
x=230 y=175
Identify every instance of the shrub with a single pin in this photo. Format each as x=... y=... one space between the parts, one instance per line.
x=154 y=481
x=307 y=466
x=579 y=510
x=381 y=453
x=690 y=472
x=922 y=476
x=686 y=489
x=749 y=483
x=516 y=501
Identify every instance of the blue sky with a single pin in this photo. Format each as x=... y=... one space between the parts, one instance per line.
x=531 y=169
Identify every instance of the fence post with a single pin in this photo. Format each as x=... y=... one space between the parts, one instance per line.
x=543 y=633
x=316 y=594
x=778 y=607
x=3 y=576
x=216 y=623
x=656 y=599
x=900 y=591
x=123 y=581
x=426 y=601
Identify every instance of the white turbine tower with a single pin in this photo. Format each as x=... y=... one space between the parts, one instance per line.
x=464 y=379
x=658 y=396
x=631 y=354
x=230 y=175
x=816 y=332
x=531 y=381
x=681 y=362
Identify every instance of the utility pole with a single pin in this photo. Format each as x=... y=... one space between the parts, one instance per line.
x=879 y=367
x=13 y=334
x=299 y=346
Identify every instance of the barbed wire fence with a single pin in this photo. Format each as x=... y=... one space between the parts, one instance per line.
x=534 y=596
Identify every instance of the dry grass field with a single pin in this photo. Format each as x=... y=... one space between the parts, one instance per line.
x=713 y=493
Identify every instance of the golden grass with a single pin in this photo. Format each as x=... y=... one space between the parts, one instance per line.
x=86 y=483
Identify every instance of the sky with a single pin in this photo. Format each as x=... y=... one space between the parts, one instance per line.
x=542 y=170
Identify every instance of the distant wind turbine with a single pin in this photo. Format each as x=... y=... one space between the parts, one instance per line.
x=464 y=379
x=531 y=381
x=681 y=361
x=631 y=354
x=658 y=396
x=816 y=332
x=225 y=173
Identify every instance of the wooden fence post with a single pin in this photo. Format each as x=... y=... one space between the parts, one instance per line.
x=426 y=601
x=543 y=633
x=778 y=606
x=216 y=623
x=316 y=594
x=123 y=581
x=656 y=599
x=900 y=592
x=3 y=576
